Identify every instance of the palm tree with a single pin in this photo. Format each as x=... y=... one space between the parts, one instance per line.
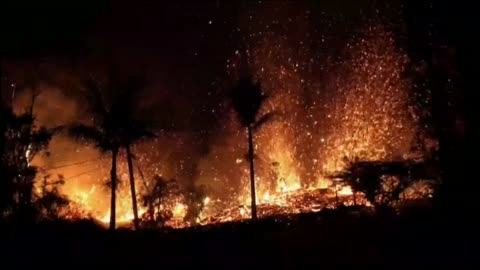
x=116 y=126
x=132 y=128
x=137 y=131
x=247 y=99
x=102 y=134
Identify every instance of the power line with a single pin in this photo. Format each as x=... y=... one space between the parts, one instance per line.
x=72 y=164
x=80 y=174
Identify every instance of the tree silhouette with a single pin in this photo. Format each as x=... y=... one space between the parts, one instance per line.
x=103 y=142
x=162 y=200
x=382 y=182
x=247 y=99
x=114 y=127
x=8 y=174
x=102 y=133
x=22 y=140
x=49 y=201
x=133 y=129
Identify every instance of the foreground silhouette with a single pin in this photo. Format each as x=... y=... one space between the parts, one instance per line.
x=247 y=99
x=331 y=238
x=114 y=127
x=21 y=141
x=383 y=182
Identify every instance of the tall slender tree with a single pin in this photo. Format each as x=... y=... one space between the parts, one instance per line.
x=136 y=132
x=133 y=128
x=247 y=99
x=101 y=133
x=115 y=126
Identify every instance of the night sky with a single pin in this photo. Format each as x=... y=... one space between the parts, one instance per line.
x=185 y=49
x=360 y=159
x=182 y=47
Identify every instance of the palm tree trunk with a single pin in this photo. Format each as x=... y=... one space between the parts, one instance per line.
x=151 y=210
x=252 y=173
x=132 y=188
x=113 y=186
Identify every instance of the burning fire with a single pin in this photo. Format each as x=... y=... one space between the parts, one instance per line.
x=359 y=112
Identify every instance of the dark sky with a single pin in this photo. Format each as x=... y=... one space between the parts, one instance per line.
x=182 y=46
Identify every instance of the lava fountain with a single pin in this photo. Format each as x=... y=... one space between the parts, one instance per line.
x=356 y=107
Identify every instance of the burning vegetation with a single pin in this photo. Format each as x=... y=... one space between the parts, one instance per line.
x=325 y=135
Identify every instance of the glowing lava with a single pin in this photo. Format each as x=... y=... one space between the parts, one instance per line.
x=358 y=111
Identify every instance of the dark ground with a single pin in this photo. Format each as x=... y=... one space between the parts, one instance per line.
x=334 y=239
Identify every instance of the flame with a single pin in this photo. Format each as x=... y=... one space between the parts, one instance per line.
x=126 y=217
x=358 y=112
x=87 y=199
x=180 y=210
x=206 y=201
x=345 y=191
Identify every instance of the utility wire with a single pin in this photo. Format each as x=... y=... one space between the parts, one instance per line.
x=80 y=174
x=71 y=164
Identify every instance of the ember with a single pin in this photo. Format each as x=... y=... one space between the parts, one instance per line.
x=360 y=111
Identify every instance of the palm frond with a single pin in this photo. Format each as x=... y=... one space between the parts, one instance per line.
x=90 y=134
x=247 y=99
x=264 y=119
x=58 y=129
